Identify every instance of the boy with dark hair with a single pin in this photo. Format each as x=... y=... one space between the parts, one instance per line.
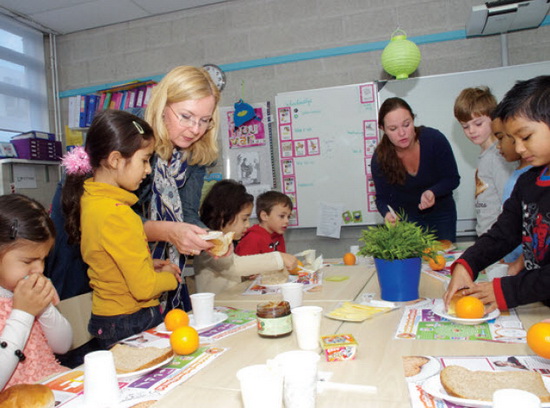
x=273 y=209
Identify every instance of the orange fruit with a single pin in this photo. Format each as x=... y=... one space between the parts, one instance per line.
x=176 y=318
x=349 y=259
x=297 y=269
x=538 y=339
x=438 y=263
x=184 y=340
x=469 y=307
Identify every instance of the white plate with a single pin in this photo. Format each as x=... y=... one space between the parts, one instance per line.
x=291 y=278
x=433 y=387
x=135 y=374
x=218 y=318
x=440 y=311
x=432 y=367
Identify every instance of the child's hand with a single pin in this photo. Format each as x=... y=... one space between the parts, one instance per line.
x=460 y=281
x=290 y=261
x=427 y=200
x=33 y=294
x=516 y=266
x=484 y=291
x=164 y=265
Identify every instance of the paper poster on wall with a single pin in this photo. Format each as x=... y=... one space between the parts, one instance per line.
x=251 y=133
x=247 y=151
x=248 y=165
x=326 y=141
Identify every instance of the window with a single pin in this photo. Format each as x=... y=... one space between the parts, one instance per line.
x=23 y=95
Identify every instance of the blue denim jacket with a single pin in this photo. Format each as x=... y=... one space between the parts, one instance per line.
x=190 y=194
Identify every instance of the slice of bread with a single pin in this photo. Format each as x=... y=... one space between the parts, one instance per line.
x=130 y=359
x=480 y=385
x=220 y=241
x=413 y=364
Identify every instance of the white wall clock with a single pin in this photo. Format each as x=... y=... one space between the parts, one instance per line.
x=217 y=75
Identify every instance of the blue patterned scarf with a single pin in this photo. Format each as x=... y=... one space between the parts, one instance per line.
x=168 y=178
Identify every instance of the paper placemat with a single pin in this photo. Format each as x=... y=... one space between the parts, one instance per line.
x=237 y=320
x=68 y=387
x=420 y=323
x=421 y=399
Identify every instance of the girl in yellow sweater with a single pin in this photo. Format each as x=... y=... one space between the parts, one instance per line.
x=97 y=200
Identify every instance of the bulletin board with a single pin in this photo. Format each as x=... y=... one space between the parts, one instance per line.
x=326 y=139
x=247 y=151
x=432 y=100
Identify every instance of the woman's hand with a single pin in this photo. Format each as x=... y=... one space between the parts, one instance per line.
x=390 y=218
x=290 y=261
x=164 y=265
x=186 y=238
x=34 y=293
x=427 y=200
x=460 y=280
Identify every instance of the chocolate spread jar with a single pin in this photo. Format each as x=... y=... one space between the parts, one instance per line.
x=274 y=319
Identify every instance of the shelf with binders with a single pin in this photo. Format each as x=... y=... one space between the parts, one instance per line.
x=82 y=108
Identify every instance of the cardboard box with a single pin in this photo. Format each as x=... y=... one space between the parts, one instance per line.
x=339 y=347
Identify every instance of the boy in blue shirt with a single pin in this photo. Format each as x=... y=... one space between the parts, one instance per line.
x=525 y=218
x=507 y=148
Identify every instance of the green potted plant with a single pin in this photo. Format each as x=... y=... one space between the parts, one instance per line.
x=398 y=250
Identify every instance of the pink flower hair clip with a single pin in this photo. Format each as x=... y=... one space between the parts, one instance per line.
x=77 y=162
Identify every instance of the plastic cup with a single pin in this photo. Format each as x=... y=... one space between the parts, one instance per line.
x=307 y=326
x=293 y=293
x=261 y=386
x=100 y=381
x=512 y=398
x=299 y=370
x=497 y=271
x=203 y=308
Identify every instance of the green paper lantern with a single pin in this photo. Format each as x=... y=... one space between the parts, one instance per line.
x=401 y=57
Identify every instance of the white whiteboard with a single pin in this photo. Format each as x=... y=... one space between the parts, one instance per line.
x=432 y=99
x=326 y=140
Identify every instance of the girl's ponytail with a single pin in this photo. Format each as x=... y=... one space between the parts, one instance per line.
x=70 y=203
x=78 y=168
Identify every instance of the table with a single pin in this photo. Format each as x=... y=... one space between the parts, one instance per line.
x=378 y=361
x=348 y=289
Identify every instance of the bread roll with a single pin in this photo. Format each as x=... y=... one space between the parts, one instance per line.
x=130 y=359
x=480 y=385
x=27 y=396
x=221 y=242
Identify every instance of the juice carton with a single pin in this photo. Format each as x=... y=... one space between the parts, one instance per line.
x=339 y=347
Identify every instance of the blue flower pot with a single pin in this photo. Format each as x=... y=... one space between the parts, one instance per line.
x=399 y=279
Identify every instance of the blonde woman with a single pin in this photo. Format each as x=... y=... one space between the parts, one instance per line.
x=183 y=112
